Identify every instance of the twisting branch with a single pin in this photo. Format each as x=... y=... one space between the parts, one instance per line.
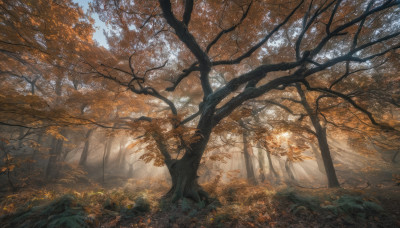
x=284 y=107
x=155 y=68
x=233 y=27
x=250 y=93
x=186 y=72
x=339 y=30
x=247 y=54
x=307 y=25
x=190 y=118
x=349 y=100
x=188 y=12
x=260 y=43
x=328 y=26
x=348 y=73
x=143 y=90
x=187 y=38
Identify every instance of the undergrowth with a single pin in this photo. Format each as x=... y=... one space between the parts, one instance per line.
x=233 y=204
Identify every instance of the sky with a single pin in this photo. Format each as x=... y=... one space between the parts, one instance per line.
x=99 y=25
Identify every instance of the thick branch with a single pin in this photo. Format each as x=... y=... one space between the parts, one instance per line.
x=250 y=93
x=187 y=38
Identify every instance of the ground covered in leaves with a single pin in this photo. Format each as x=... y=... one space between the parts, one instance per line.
x=235 y=204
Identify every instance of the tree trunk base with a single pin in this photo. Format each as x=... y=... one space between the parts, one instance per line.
x=184 y=183
x=191 y=191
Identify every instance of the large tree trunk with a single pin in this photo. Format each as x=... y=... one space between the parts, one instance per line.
x=322 y=141
x=185 y=180
x=184 y=171
x=85 y=151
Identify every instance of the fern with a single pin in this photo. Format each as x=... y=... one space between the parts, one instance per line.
x=63 y=212
x=309 y=202
x=354 y=206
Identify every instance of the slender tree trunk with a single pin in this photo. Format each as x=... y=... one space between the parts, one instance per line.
x=289 y=171
x=121 y=153
x=35 y=151
x=53 y=164
x=394 y=156
x=20 y=138
x=85 y=151
x=130 y=171
x=261 y=162
x=248 y=151
x=272 y=170
x=104 y=162
x=318 y=157
x=322 y=141
x=108 y=150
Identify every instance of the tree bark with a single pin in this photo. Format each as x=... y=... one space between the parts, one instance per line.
x=261 y=162
x=272 y=171
x=395 y=156
x=35 y=151
x=85 y=151
x=52 y=165
x=121 y=154
x=184 y=180
x=289 y=171
x=107 y=150
x=183 y=172
x=322 y=141
x=318 y=157
x=247 y=149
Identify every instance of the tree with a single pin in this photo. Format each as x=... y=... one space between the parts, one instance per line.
x=288 y=42
x=320 y=133
x=248 y=152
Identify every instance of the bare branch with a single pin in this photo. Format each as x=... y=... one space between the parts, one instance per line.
x=354 y=104
x=260 y=43
x=185 y=73
x=155 y=68
x=188 y=12
x=233 y=27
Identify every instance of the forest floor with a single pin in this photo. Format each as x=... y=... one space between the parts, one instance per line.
x=139 y=204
